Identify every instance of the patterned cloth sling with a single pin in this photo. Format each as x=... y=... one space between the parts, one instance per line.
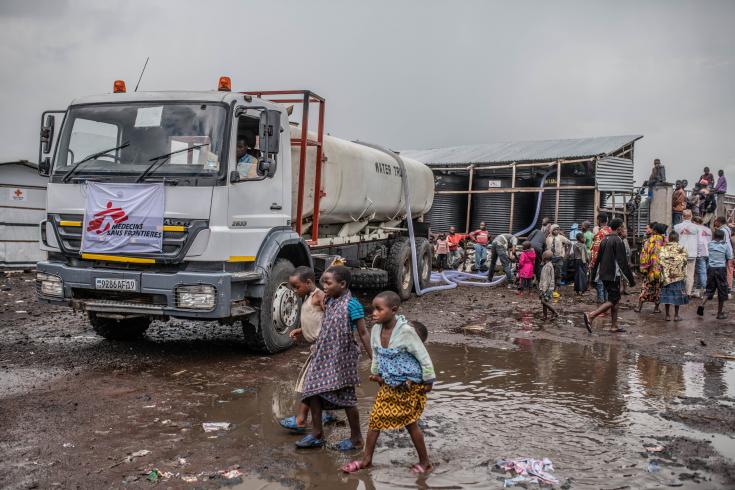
x=397 y=366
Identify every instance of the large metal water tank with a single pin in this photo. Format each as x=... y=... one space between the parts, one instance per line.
x=360 y=183
x=494 y=208
x=448 y=209
x=575 y=206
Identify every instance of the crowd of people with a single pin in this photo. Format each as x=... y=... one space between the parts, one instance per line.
x=701 y=200
x=692 y=259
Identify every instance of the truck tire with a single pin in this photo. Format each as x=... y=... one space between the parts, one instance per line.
x=424 y=255
x=369 y=279
x=398 y=265
x=111 y=329
x=278 y=315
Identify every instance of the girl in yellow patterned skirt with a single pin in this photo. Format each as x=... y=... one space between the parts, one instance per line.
x=403 y=368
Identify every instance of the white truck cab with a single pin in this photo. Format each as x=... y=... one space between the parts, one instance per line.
x=223 y=240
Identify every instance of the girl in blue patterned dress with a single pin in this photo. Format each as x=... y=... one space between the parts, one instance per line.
x=405 y=372
x=331 y=378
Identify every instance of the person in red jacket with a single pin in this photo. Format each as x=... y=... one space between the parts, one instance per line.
x=480 y=237
x=455 y=240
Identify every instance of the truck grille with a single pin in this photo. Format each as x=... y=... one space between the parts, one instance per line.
x=119 y=296
x=176 y=239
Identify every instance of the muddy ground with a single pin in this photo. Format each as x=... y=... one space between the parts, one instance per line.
x=649 y=408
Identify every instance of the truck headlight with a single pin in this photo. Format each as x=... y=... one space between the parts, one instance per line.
x=50 y=285
x=196 y=297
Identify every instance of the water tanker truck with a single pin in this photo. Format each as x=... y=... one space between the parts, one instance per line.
x=199 y=205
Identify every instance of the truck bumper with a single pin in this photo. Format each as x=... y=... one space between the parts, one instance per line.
x=155 y=293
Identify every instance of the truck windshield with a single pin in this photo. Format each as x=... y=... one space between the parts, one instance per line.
x=139 y=134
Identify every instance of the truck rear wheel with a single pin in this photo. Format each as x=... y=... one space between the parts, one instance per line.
x=111 y=329
x=398 y=265
x=278 y=315
x=424 y=254
x=369 y=278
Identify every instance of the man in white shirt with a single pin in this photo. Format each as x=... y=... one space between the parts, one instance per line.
x=688 y=238
x=702 y=262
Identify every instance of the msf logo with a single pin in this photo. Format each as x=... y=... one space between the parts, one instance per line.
x=103 y=220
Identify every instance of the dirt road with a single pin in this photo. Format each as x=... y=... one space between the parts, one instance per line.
x=649 y=408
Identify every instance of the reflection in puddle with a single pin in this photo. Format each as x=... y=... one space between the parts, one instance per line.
x=590 y=409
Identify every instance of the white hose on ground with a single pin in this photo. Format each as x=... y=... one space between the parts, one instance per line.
x=452 y=278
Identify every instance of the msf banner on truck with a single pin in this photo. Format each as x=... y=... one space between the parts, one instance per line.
x=123 y=218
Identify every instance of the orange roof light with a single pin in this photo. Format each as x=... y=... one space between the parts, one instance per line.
x=225 y=84
x=119 y=87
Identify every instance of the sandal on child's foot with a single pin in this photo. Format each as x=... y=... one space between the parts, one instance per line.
x=587 y=322
x=291 y=424
x=668 y=318
x=346 y=445
x=677 y=318
x=329 y=418
x=722 y=316
x=310 y=442
x=352 y=467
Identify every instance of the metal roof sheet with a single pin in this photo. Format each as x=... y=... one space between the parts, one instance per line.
x=521 y=151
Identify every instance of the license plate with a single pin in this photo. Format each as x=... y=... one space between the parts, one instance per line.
x=115 y=284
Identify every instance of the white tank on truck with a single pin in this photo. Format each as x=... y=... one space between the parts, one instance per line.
x=192 y=205
x=354 y=185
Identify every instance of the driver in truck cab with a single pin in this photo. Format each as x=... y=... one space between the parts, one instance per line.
x=247 y=164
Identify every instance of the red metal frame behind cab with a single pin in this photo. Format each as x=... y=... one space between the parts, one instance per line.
x=307 y=97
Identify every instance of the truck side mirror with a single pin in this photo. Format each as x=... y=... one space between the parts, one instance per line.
x=44 y=167
x=267 y=167
x=270 y=131
x=46 y=143
x=47 y=133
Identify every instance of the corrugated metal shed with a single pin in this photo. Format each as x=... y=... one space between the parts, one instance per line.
x=522 y=151
x=614 y=174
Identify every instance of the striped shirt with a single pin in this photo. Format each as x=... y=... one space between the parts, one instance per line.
x=356 y=312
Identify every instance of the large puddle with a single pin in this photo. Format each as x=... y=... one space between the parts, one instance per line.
x=590 y=409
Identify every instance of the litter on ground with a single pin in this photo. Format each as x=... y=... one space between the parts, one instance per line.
x=215 y=426
x=527 y=470
x=232 y=474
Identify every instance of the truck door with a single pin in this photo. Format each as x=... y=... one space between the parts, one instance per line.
x=258 y=201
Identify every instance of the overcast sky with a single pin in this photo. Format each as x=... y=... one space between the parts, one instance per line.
x=406 y=74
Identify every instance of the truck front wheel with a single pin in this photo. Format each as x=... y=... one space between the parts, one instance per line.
x=111 y=329
x=278 y=315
